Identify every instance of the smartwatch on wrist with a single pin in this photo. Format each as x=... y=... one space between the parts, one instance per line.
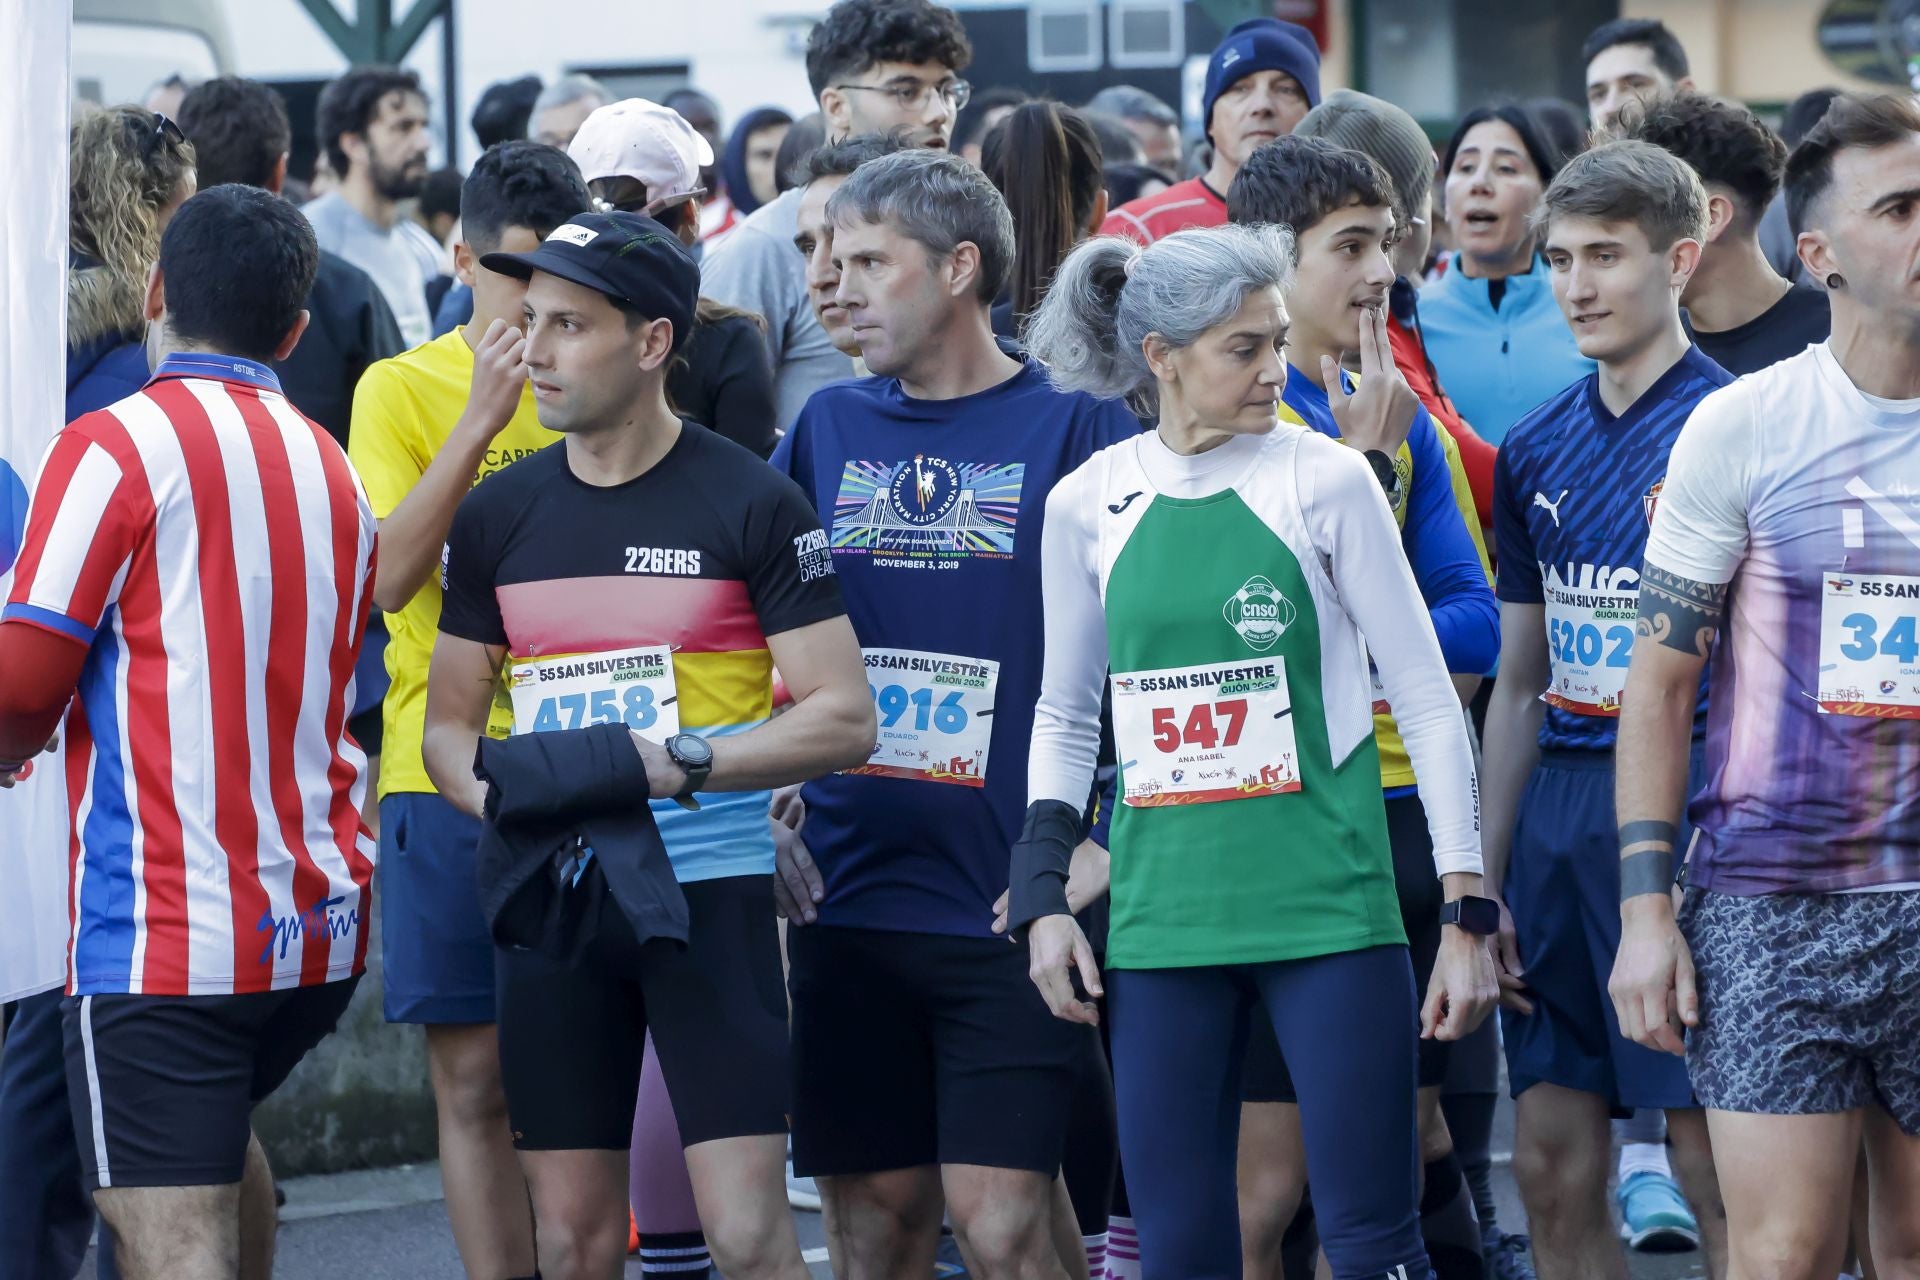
x=1477 y=916
x=695 y=755
x=1383 y=472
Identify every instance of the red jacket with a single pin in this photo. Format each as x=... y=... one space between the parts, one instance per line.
x=1410 y=354
x=1184 y=204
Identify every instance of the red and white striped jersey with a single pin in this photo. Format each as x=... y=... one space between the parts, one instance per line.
x=215 y=551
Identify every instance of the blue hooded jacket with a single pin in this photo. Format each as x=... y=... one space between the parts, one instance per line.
x=106 y=359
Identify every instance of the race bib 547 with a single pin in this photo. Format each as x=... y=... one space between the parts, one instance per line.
x=1197 y=735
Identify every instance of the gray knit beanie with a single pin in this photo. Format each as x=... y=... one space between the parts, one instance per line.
x=1375 y=127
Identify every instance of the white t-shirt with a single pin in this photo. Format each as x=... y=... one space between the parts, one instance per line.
x=1803 y=493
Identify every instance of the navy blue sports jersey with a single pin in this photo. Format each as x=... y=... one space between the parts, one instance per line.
x=933 y=511
x=1573 y=496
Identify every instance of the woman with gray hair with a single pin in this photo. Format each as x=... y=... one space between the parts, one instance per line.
x=1229 y=570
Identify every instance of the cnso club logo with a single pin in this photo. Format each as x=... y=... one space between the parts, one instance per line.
x=1259 y=613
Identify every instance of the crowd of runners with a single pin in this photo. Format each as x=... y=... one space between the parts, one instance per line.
x=977 y=704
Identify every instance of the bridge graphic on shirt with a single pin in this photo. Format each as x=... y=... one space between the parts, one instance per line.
x=964 y=517
x=971 y=509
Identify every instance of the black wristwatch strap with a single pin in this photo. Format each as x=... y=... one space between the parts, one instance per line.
x=697 y=774
x=1383 y=471
x=1475 y=915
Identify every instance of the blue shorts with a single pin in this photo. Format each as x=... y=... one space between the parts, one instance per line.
x=1563 y=887
x=433 y=938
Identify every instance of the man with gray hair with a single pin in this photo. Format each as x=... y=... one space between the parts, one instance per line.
x=564 y=106
x=927 y=1068
x=1152 y=121
x=1577 y=483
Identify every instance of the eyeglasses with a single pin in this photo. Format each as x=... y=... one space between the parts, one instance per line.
x=917 y=96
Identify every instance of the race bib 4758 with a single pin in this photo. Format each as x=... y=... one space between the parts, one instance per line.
x=633 y=687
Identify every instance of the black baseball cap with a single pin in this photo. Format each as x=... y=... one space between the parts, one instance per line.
x=630 y=258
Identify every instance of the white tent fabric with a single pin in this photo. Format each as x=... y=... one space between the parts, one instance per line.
x=34 y=95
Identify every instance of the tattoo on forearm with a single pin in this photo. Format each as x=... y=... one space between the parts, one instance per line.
x=1678 y=612
x=1644 y=873
x=1647 y=831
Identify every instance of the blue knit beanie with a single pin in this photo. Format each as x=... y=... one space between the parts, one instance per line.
x=1262 y=44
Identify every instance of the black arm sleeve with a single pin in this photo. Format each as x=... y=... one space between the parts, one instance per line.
x=1041 y=859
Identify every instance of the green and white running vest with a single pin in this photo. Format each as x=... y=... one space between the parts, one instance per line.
x=1250 y=825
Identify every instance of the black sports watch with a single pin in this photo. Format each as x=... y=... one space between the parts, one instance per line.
x=695 y=755
x=1477 y=916
x=1383 y=472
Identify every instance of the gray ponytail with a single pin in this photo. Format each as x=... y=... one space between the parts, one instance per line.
x=1109 y=294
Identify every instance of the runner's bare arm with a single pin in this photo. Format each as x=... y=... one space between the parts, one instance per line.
x=460 y=690
x=42 y=667
x=1678 y=619
x=1653 y=982
x=413 y=532
x=830 y=725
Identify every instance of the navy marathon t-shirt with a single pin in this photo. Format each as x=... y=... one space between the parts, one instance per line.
x=934 y=510
x=1574 y=489
x=699 y=561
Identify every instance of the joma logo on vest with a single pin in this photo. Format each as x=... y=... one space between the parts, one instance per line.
x=1259 y=613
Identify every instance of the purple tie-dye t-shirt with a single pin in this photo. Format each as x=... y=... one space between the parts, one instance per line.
x=1803 y=493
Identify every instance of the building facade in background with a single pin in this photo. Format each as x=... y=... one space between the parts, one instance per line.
x=1434 y=57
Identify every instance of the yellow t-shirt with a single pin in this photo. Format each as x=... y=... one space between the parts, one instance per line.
x=403 y=410
x=1396 y=769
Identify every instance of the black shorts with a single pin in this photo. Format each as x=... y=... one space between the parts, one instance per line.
x=163 y=1087
x=1263 y=1076
x=571 y=1039
x=914 y=1049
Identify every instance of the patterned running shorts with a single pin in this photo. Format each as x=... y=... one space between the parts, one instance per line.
x=1809 y=1003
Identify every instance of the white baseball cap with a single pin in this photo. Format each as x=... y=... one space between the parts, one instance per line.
x=645 y=141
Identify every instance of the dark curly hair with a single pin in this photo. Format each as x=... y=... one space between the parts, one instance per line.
x=238 y=264
x=1727 y=145
x=519 y=184
x=238 y=128
x=350 y=103
x=856 y=34
x=1298 y=180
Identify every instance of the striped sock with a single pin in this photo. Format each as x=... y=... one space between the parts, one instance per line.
x=680 y=1254
x=1123 y=1250
x=1096 y=1247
